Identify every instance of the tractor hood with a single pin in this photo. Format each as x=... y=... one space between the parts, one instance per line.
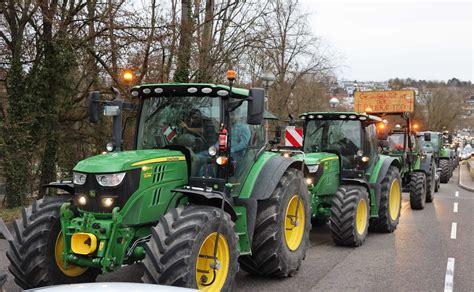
x=319 y=157
x=121 y=161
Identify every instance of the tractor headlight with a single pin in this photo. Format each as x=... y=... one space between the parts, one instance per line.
x=313 y=168
x=110 y=180
x=107 y=202
x=110 y=147
x=212 y=151
x=79 y=178
x=81 y=200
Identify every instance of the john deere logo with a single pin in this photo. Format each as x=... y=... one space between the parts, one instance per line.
x=92 y=194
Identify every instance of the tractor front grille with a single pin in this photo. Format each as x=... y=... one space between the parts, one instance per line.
x=95 y=192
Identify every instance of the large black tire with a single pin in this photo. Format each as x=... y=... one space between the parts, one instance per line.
x=417 y=187
x=451 y=170
x=431 y=183
x=438 y=182
x=3 y=279
x=176 y=243
x=343 y=218
x=389 y=216
x=32 y=251
x=271 y=255
x=445 y=171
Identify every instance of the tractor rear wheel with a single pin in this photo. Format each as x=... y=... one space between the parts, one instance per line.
x=281 y=229
x=350 y=215
x=3 y=279
x=36 y=250
x=390 y=203
x=417 y=187
x=445 y=170
x=181 y=249
x=451 y=170
x=431 y=183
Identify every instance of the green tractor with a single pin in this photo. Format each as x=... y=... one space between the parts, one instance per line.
x=447 y=156
x=418 y=169
x=441 y=155
x=198 y=194
x=351 y=184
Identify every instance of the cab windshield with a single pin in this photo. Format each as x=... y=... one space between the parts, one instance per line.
x=340 y=136
x=192 y=122
x=396 y=141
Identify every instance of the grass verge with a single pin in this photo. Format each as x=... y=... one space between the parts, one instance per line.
x=10 y=214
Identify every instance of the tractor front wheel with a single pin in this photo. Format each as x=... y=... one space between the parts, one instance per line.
x=390 y=203
x=417 y=187
x=36 y=250
x=182 y=250
x=349 y=218
x=281 y=229
x=445 y=170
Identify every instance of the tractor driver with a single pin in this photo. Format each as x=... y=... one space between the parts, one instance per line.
x=192 y=123
x=197 y=131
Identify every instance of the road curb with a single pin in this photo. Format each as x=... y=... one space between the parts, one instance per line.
x=467 y=188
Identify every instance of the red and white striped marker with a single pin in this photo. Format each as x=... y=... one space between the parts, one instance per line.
x=169 y=133
x=293 y=136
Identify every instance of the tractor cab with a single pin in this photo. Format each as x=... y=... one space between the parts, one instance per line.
x=210 y=124
x=403 y=142
x=351 y=136
x=215 y=129
x=433 y=143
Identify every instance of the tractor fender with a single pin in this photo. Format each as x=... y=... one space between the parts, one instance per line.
x=270 y=175
x=388 y=161
x=65 y=186
x=213 y=198
x=425 y=163
x=356 y=181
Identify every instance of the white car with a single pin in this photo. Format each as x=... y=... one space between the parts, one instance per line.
x=111 y=287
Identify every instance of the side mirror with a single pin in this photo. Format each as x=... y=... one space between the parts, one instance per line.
x=255 y=107
x=94 y=106
x=427 y=137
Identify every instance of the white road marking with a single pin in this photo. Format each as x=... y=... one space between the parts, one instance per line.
x=457 y=194
x=448 y=280
x=455 y=207
x=454 y=227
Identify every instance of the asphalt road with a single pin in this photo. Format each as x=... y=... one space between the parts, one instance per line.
x=413 y=258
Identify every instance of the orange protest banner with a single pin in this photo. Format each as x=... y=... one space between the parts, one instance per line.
x=386 y=101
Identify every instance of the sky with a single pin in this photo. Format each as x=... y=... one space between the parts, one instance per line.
x=379 y=40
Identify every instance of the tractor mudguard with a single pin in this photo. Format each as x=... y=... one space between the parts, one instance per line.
x=65 y=186
x=388 y=161
x=356 y=181
x=213 y=198
x=270 y=175
x=426 y=163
